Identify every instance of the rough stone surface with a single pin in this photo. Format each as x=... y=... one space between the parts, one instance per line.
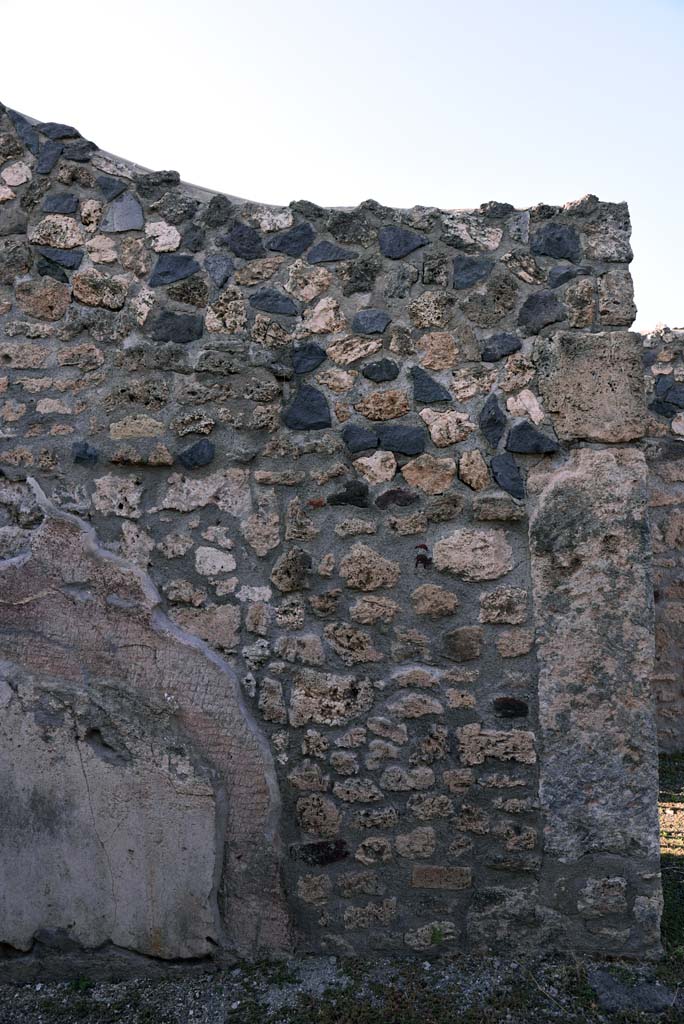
x=592 y=384
x=192 y=376
x=594 y=609
x=474 y=554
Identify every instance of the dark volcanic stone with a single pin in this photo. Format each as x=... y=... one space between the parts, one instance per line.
x=218 y=212
x=354 y=492
x=307 y=357
x=668 y=391
x=308 y=210
x=382 y=370
x=193 y=238
x=662 y=408
x=48 y=156
x=359 y=439
x=153 y=184
x=61 y=202
x=270 y=300
x=309 y=411
x=69 y=258
x=402 y=440
x=219 y=361
x=46 y=268
x=123 y=214
x=83 y=452
x=176 y=206
x=327 y=851
x=244 y=241
x=492 y=420
x=398 y=496
x=500 y=345
x=492 y=209
x=396 y=242
x=170 y=267
x=510 y=707
x=351 y=226
x=561 y=275
x=53 y=130
x=181 y=328
x=370 y=321
x=426 y=389
x=199 y=454
x=80 y=152
x=539 y=310
x=295 y=241
x=470 y=270
x=507 y=475
x=359 y=275
x=13 y=221
x=523 y=437
x=111 y=188
x=560 y=241
x=219 y=268
x=15 y=259
x=26 y=132
x=328 y=252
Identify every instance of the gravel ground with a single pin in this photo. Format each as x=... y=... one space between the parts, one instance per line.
x=325 y=990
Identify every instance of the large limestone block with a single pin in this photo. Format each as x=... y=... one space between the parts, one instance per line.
x=474 y=554
x=593 y=603
x=592 y=384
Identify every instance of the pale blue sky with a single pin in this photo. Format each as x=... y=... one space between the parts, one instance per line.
x=434 y=102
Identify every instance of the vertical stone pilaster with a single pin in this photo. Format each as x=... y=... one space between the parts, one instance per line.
x=589 y=546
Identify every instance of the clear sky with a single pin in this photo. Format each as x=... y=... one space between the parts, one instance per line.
x=438 y=102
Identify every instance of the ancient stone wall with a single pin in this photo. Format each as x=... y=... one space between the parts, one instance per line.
x=326 y=599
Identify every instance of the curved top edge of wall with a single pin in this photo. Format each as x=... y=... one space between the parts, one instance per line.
x=110 y=163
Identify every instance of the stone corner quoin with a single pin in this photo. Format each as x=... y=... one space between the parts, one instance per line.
x=270 y=471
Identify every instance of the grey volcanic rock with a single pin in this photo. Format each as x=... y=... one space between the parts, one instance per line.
x=294 y=242
x=181 y=328
x=395 y=242
x=371 y=321
x=492 y=420
x=471 y=270
x=123 y=214
x=500 y=345
x=270 y=300
x=426 y=389
x=171 y=266
x=539 y=310
x=558 y=240
x=309 y=411
x=382 y=370
x=328 y=252
x=507 y=475
x=525 y=438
